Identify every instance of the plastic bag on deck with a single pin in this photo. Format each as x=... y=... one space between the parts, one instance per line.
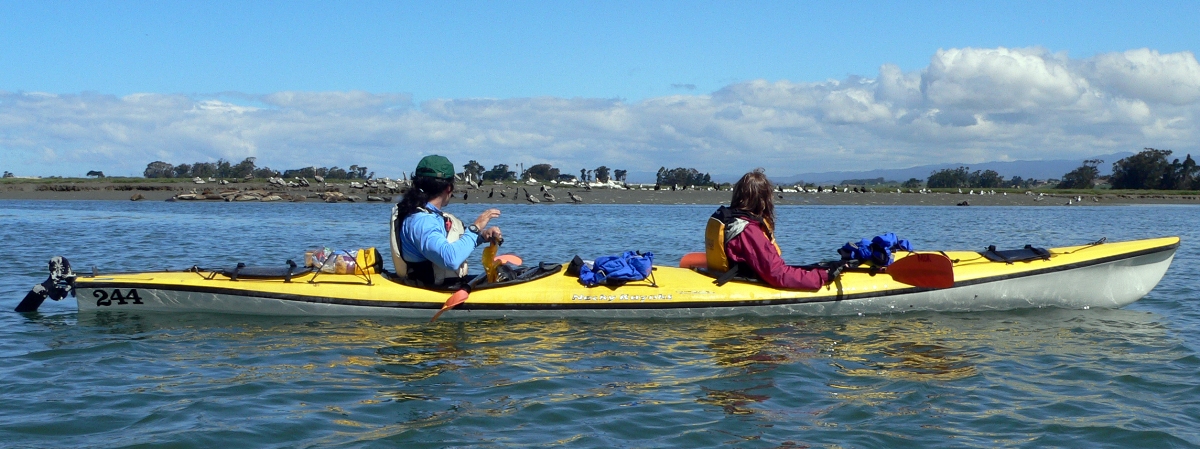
x=359 y=261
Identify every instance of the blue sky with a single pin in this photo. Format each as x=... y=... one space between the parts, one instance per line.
x=719 y=86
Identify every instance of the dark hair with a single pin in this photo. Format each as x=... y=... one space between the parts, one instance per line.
x=424 y=188
x=753 y=193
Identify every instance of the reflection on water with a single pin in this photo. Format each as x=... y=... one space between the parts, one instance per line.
x=387 y=380
x=733 y=402
x=914 y=349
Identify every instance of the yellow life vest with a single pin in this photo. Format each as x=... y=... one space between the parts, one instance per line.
x=725 y=224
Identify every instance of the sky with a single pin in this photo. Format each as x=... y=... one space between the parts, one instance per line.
x=723 y=87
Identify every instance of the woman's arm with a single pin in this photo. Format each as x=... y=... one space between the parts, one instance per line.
x=752 y=248
x=430 y=241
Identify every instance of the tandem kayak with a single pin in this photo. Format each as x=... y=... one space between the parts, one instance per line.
x=1101 y=274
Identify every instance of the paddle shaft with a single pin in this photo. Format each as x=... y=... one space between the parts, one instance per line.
x=490 y=263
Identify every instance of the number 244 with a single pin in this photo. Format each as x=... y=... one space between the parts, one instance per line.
x=104 y=298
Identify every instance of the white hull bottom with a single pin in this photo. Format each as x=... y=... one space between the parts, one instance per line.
x=1107 y=285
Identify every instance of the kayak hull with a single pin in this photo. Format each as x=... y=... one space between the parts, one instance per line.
x=1110 y=275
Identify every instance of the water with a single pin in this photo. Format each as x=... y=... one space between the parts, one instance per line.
x=1033 y=378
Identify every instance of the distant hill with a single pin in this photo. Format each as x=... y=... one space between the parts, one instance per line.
x=1026 y=169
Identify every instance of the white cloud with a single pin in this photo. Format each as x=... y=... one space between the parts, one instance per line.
x=321 y=102
x=900 y=89
x=969 y=105
x=1001 y=80
x=1147 y=75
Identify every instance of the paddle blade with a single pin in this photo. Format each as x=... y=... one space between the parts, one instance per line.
x=923 y=270
x=509 y=258
x=489 y=262
x=457 y=298
x=694 y=260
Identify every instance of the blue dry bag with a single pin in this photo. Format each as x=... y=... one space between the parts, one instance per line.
x=628 y=266
x=877 y=250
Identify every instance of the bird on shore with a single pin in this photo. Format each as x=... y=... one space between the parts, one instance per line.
x=531 y=198
x=493 y=192
x=548 y=197
x=502 y=195
x=574 y=198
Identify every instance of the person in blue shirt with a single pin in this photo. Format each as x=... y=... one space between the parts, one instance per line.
x=430 y=247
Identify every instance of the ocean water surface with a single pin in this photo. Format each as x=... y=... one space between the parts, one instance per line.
x=1028 y=378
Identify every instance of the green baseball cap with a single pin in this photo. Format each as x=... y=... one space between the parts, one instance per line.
x=435 y=166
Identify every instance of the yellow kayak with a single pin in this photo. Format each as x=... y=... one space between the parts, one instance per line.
x=1103 y=274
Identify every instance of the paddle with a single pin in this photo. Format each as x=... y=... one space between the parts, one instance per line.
x=917 y=269
x=491 y=264
x=693 y=260
x=509 y=258
x=458 y=297
x=923 y=270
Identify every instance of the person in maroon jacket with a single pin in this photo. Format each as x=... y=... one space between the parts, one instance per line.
x=749 y=240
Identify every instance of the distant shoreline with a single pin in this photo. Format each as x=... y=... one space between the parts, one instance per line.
x=101 y=190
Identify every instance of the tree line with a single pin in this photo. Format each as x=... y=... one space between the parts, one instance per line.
x=1150 y=169
x=499 y=172
x=246 y=169
x=963 y=177
x=1147 y=170
x=542 y=172
x=545 y=172
x=683 y=177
